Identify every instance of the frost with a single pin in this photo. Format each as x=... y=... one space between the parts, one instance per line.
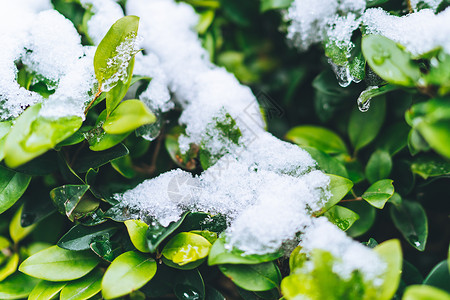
x=120 y=61
x=418 y=32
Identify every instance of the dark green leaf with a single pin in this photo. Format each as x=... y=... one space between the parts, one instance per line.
x=92 y=160
x=429 y=165
x=410 y=219
x=80 y=237
x=12 y=186
x=366 y=219
x=157 y=233
x=379 y=166
x=439 y=277
x=363 y=127
x=260 y=277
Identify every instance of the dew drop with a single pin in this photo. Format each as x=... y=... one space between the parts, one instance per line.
x=342 y=73
x=364 y=98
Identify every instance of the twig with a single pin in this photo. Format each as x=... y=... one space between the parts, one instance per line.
x=99 y=92
x=352 y=200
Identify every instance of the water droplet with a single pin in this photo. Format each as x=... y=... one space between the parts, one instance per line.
x=364 y=106
x=342 y=74
x=378 y=60
x=364 y=98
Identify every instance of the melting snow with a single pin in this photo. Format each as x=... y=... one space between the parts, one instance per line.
x=419 y=32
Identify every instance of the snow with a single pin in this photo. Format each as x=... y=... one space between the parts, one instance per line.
x=105 y=13
x=352 y=256
x=266 y=188
x=418 y=32
x=310 y=19
x=46 y=54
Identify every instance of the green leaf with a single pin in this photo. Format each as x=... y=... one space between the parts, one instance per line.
x=410 y=219
x=116 y=94
x=439 y=277
x=128 y=116
x=93 y=160
x=339 y=187
x=379 y=193
x=12 y=186
x=391 y=253
x=394 y=138
x=189 y=285
x=137 y=230
x=128 y=272
x=424 y=292
x=104 y=64
x=9 y=267
x=429 y=165
x=5 y=127
x=16 y=231
x=341 y=216
x=363 y=127
x=158 y=233
x=439 y=74
x=327 y=163
x=274 y=4
x=432 y=120
x=83 y=288
x=219 y=255
x=80 y=237
x=99 y=140
x=46 y=290
x=317 y=137
x=366 y=213
x=389 y=61
x=17 y=286
x=260 y=277
x=67 y=197
x=57 y=264
x=379 y=166
x=33 y=135
x=186 y=248
x=124 y=166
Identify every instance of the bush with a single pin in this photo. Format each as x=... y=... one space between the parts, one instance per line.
x=135 y=163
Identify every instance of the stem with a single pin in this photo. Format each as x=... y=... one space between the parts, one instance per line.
x=408 y=2
x=99 y=92
x=352 y=200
